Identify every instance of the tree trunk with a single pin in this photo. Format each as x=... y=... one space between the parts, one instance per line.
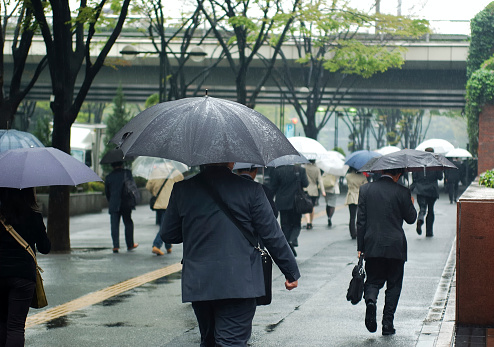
x=6 y=115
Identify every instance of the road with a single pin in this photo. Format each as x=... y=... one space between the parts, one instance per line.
x=314 y=314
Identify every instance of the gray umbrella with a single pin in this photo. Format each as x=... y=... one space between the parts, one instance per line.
x=409 y=160
x=11 y=139
x=203 y=130
x=38 y=167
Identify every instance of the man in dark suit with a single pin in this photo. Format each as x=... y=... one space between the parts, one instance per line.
x=427 y=189
x=285 y=182
x=119 y=206
x=382 y=207
x=222 y=272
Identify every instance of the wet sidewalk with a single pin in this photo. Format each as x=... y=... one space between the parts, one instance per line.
x=325 y=263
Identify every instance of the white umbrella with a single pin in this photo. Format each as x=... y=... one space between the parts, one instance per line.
x=387 y=149
x=458 y=153
x=333 y=162
x=157 y=168
x=308 y=147
x=440 y=146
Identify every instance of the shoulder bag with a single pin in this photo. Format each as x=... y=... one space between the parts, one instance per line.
x=39 y=297
x=267 y=262
x=153 y=199
x=302 y=203
x=130 y=190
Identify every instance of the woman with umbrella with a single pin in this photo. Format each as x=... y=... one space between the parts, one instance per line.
x=19 y=209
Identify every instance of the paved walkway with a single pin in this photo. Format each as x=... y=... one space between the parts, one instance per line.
x=90 y=284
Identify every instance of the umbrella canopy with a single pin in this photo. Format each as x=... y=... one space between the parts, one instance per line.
x=115 y=155
x=281 y=161
x=409 y=160
x=387 y=149
x=12 y=139
x=333 y=162
x=360 y=158
x=310 y=148
x=157 y=168
x=440 y=146
x=458 y=153
x=44 y=166
x=203 y=130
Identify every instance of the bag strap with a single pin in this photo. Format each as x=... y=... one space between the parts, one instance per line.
x=222 y=205
x=164 y=182
x=19 y=239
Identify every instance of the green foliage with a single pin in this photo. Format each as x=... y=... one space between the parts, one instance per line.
x=152 y=100
x=115 y=121
x=42 y=130
x=340 y=150
x=482 y=39
x=487 y=179
x=140 y=181
x=355 y=57
x=480 y=92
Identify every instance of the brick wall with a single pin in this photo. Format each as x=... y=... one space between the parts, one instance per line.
x=486 y=139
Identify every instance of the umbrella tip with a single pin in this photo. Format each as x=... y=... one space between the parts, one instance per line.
x=206 y=92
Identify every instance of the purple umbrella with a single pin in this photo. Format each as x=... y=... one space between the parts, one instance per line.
x=38 y=167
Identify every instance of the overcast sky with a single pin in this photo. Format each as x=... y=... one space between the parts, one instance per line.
x=438 y=11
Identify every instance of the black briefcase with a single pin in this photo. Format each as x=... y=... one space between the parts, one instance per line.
x=356 y=287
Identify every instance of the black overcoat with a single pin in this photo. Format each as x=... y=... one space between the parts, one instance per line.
x=382 y=207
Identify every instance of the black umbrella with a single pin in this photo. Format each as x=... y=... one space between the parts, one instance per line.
x=203 y=130
x=409 y=160
x=115 y=155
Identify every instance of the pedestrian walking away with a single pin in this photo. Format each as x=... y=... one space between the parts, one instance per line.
x=427 y=189
x=160 y=184
x=19 y=209
x=315 y=187
x=451 y=180
x=120 y=206
x=222 y=272
x=332 y=190
x=354 y=181
x=382 y=207
x=284 y=182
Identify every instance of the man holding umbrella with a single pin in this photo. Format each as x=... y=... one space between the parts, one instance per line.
x=222 y=273
x=382 y=207
x=427 y=189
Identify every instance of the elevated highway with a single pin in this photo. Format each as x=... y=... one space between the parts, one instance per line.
x=433 y=76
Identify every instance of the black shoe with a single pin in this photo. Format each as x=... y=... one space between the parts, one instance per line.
x=309 y=226
x=429 y=235
x=329 y=223
x=370 y=317
x=388 y=330
x=419 y=226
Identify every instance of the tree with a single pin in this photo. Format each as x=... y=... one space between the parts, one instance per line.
x=330 y=48
x=68 y=41
x=163 y=32
x=242 y=27
x=482 y=39
x=22 y=37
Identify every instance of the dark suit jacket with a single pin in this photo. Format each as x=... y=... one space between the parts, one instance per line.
x=283 y=183
x=218 y=261
x=113 y=190
x=268 y=192
x=382 y=207
x=426 y=184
